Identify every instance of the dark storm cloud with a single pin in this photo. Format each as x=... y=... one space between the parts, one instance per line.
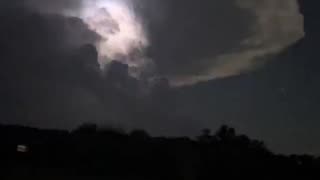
x=56 y=6
x=278 y=102
x=42 y=66
x=192 y=41
x=185 y=33
x=51 y=77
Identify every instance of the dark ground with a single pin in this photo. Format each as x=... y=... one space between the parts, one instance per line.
x=89 y=151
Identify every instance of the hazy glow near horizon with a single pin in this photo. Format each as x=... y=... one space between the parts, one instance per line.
x=121 y=30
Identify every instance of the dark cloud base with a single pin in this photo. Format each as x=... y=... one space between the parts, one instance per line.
x=186 y=35
x=51 y=76
x=277 y=102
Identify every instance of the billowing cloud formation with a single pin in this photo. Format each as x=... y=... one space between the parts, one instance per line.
x=50 y=74
x=123 y=37
x=188 y=41
x=195 y=41
x=122 y=31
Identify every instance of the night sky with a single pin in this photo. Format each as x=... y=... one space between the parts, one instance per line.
x=172 y=67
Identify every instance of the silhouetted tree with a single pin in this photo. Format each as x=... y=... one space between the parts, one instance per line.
x=86 y=128
x=139 y=134
x=206 y=136
x=110 y=152
x=225 y=133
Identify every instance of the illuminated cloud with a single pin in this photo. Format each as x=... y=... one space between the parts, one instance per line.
x=188 y=41
x=195 y=41
x=122 y=32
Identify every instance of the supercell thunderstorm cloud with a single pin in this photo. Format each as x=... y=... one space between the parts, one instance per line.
x=187 y=41
x=65 y=62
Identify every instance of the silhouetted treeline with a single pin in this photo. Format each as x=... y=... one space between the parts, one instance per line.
x=109 y=152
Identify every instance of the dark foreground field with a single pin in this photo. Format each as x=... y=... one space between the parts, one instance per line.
x=89 y=151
